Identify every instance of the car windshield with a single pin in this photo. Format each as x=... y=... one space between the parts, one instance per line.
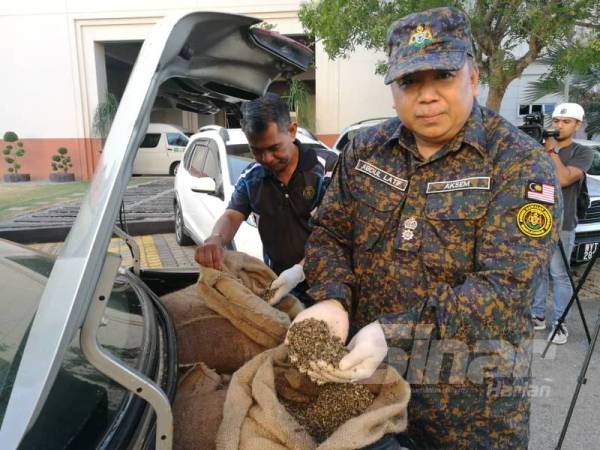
x=239 y=157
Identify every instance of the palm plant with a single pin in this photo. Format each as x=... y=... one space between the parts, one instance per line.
x=297 y=98
x=583 y=85
x=104 y=115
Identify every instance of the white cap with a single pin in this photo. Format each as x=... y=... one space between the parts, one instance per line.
x=571 y=110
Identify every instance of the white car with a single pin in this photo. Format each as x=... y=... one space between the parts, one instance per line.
x=349 y=132
x=213 y=161
x=587 y=233
x=161 y=150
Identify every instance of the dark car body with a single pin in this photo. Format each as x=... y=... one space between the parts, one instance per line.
x=85 y=408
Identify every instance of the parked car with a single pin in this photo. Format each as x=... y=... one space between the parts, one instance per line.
x=301 y=131
x=213 y=161
x=349 y=132
x=587 y=233
x=161 y=150
x=87 y=355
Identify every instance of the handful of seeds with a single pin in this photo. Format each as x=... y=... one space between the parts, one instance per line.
x=310 y=341
x=334 y=403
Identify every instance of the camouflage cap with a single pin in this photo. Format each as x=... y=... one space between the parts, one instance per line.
x=436 y=39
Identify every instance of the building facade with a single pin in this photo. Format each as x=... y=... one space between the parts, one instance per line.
x=61 y=58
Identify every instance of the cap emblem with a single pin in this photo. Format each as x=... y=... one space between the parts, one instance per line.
x=421 y=37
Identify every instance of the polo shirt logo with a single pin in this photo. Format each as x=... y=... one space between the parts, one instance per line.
x=459 y=185
x=381 y=175
x=308 y=193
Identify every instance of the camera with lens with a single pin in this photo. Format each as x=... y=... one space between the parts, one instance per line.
x=534 y=127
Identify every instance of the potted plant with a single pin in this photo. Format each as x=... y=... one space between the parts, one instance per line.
x=60 y=166
x=13 y=150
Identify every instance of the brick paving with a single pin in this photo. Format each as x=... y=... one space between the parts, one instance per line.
x=156 y=251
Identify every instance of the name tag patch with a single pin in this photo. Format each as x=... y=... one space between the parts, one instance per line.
x=381 y=175
x=459 y=185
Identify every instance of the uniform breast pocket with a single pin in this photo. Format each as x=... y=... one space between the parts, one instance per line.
x=450 y=229
x=375 y=207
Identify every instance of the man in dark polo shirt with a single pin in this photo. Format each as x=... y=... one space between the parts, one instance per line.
x=282 y=188
x=572 y=161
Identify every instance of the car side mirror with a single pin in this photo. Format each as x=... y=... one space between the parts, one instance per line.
x=204 y=185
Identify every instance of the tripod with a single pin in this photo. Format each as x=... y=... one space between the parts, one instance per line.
x=574 y=297
x=581 y=379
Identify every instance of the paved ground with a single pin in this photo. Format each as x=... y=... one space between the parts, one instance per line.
x=554 y=377
x=159 y=250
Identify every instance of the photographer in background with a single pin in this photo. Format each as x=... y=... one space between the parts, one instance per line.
x=572 y=161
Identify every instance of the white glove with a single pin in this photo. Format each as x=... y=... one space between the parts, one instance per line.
x=367 y=350
x=285 y=282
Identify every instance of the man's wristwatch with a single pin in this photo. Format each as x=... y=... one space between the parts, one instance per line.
x=219 y=235
x=555 y=150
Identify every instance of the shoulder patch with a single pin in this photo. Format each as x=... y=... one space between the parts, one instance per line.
x=534 y=220
x=541 y=192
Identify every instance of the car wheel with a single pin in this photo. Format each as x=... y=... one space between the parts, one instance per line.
x=174 y=168
x=180 y=236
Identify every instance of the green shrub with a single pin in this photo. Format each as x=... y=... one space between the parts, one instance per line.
x=9 y=157
x=61 y=161
x=10 y=136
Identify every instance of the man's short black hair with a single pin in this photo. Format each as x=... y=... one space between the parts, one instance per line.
x=258 y=114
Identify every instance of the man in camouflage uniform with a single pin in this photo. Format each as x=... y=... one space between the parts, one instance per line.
x=428 y=241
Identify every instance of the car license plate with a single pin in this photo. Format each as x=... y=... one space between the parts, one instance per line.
x=588 y=251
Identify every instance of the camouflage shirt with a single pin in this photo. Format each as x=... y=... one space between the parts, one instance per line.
x=444 y=253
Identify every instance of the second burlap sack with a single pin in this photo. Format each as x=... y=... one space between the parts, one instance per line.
x=255 y=419
x=237 y=292
x=205 y=336
x=198 y=408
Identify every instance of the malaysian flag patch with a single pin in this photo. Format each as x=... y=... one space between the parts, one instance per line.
x=540 y=191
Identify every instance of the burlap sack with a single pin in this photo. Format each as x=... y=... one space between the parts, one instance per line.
x=205 y=336
x=198 y=409
x=254 y=418
x=237 y=292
